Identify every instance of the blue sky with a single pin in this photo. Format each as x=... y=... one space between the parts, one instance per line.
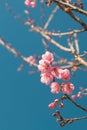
x=23 y=99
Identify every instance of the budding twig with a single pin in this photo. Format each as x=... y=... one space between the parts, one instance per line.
x=13 y=51
x=51 y=17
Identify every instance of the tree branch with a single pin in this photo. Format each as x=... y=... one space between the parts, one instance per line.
x=13 y=51
x=71 y=6
x=62 y=4
x=76 y=104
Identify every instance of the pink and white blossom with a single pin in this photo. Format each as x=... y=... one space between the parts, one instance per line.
x=56 y=72
x=55 y=87
x=30 y=3
x=48 y=57
x=65 y=74
x=43 y=65
x=46 y=78
x=68 y=88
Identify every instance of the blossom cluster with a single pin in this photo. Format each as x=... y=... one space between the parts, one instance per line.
x=30 y=3
x=49 y=72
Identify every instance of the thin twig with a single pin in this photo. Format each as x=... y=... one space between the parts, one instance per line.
x=13 y=51
x=51 y=17
x=80 y=118
x=76 y=43
x=76 y=104
x=38 y=30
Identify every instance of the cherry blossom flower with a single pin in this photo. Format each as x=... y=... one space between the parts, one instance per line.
x=46 y=78
x=68 y=88
x=43 y=65
x=56 y=72
x=65 y=74
x=46 y=61
x=48 y=57
x=55 y=87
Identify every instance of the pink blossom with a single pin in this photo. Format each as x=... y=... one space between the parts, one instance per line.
x=51 y=105
x=68 y=88
x=48 y=57
x=27 y=2
x=43 y=65
x=56 y=72
x=65 y=74
x=55 y=87
x=46 y=78
x=31 y=3
x=31 y=60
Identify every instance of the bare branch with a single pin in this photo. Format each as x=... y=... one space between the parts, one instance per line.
x=13 y=51
x=68 y=11
x=76 y=104
x=71 y=6
x=60 y=34
x=50 y=17
x=77 y=57
x=38 y=30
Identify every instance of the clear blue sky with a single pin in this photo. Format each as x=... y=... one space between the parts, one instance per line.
x=23 y=99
